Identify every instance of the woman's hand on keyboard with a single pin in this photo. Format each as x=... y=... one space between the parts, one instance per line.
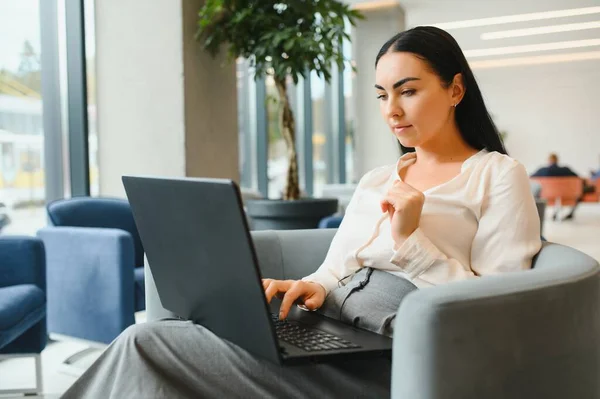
x=312 y=295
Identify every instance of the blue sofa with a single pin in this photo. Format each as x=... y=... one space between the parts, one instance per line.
x=22 y=301
x=95 y=268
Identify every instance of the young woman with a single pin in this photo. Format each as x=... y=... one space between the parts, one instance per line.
x=453 y=207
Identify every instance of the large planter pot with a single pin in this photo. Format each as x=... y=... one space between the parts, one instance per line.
x=289 y=215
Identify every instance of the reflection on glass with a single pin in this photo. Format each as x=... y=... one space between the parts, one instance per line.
x=349 y=114
x=246 y=95
x=90 y=55
x=319 y=136
x=21 y=131
x=277 y=163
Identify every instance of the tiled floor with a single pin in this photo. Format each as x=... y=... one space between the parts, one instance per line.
x=582 y=233
x=20 y=373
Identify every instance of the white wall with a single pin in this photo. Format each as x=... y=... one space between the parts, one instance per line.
x=140 y=91
x=543 y=108
x=547 y=108
x=165 y=106
x=375 y=145
x=211 y=120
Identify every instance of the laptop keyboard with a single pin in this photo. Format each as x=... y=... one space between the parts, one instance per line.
x=308 y=339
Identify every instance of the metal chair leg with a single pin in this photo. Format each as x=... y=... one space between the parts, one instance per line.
x=69 y=365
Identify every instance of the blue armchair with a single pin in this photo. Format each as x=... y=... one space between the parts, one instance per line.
x=23 y=302
x=95 y=268
x=330 y=222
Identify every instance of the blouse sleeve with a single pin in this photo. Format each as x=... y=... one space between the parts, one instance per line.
x=339 y=262
x=507 y=238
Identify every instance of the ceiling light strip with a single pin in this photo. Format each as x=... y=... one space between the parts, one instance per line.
x=540 y=30
x=531 y=48
x=375 y=5
x=535 y=60
x=535 y=16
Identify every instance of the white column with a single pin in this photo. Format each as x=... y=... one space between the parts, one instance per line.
x=375 y=145
x=165 y=107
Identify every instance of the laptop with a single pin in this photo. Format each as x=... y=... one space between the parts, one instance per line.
x=205 y=267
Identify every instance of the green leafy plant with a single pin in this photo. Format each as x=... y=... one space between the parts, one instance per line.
x=290 y=39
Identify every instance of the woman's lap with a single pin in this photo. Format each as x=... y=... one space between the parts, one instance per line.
x=171 y=358
x=175 y=359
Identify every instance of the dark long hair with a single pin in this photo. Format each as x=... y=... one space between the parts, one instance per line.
x=439 y=49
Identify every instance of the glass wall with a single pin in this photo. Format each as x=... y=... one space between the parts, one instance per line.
x=90 y=56
x=320 y=136
x=348 y=79
x=318 y=109
x=21 y=129
x=246 y=92
x=277 y=163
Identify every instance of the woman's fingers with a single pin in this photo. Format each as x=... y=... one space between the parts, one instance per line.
x=393 y=197
x=276 y=287
x=391 y=202
x=292 y=291
x=266 y=282
x=398 y=196
x=292 y=294
x=383 y=204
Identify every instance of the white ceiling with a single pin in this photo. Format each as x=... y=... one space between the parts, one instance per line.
x=473 y=8
x=429 y=12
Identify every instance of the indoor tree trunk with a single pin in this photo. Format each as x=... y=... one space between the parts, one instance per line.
x=287 y=126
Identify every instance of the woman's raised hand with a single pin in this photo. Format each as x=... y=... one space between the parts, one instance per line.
x=404 y=205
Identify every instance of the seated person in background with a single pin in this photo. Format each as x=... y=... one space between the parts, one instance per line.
x=554 y=170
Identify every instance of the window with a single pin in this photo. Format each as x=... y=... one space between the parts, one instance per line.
x=277 y=163
x=320 y=134
x=321 y=113
x=22 y=191
x=90 y=56
x=246 y=134
x=347 y=89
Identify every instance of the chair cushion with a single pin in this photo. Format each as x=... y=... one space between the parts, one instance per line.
x=330 y=222
x=140 y=289
x=21 y=306
x=111 y=213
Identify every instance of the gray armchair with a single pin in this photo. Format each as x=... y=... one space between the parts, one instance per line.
x=534 y=334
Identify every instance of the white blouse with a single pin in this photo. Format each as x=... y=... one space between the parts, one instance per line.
x=482 y=222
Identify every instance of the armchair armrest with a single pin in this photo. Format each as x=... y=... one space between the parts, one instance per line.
x=282 y=254
x=22 y=261
x=528 y=334
x=291 y=254
x=90 y=281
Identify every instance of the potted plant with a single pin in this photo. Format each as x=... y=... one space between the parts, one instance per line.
x=281 y=39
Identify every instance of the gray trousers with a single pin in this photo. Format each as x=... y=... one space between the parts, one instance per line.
x=177 y=359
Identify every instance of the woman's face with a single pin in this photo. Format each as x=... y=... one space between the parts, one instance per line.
x=412 y=99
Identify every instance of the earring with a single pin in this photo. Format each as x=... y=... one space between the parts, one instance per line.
x=455 y=105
